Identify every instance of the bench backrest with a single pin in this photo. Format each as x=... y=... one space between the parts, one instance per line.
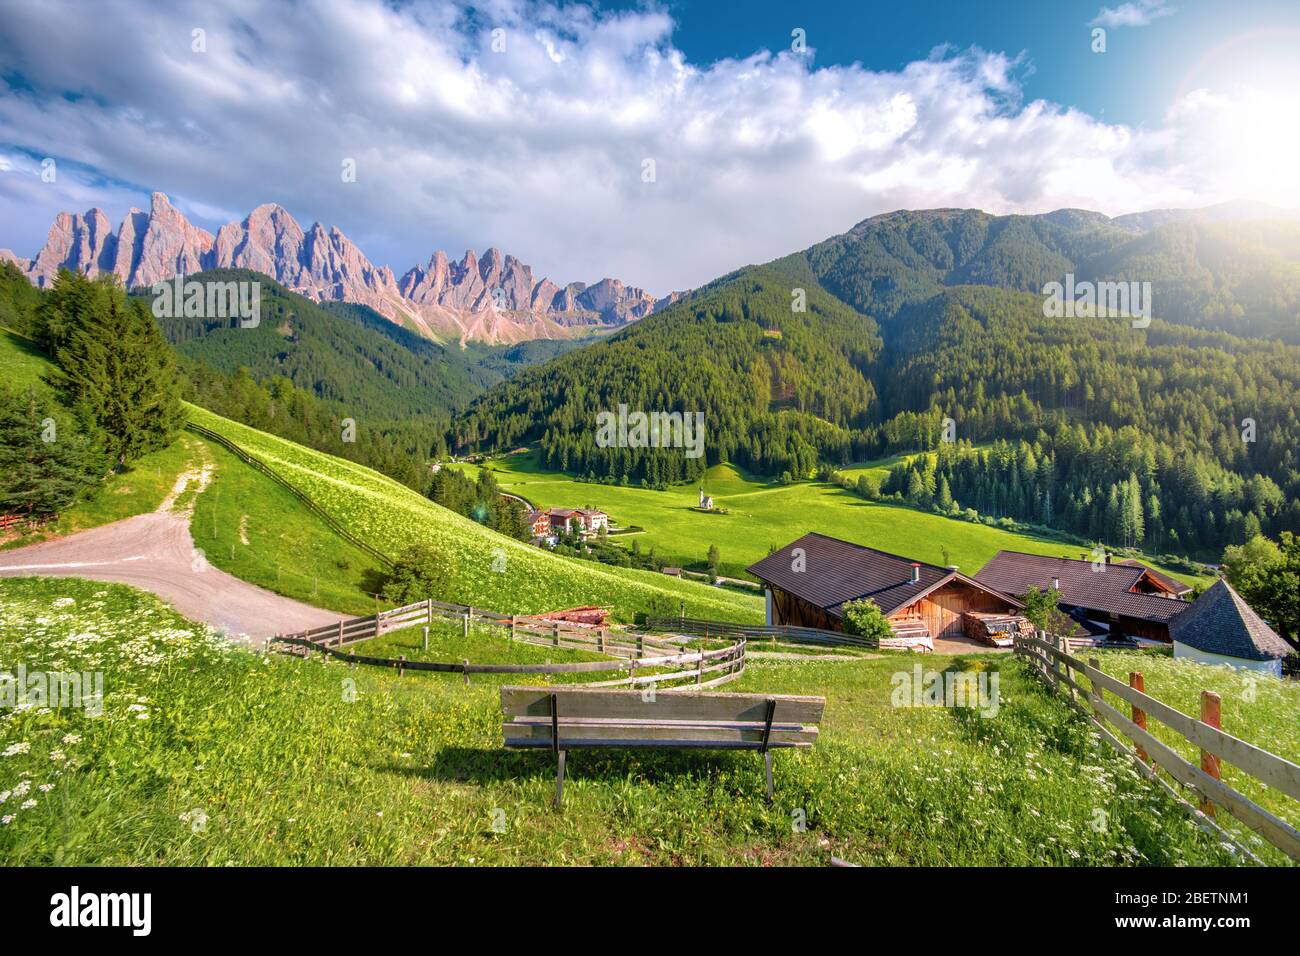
x=599 y=717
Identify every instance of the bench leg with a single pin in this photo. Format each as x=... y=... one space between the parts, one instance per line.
x=767 y=764
x=559 y=777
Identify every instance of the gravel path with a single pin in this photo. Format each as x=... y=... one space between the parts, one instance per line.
x=155 y=552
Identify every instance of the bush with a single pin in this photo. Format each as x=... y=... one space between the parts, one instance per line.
x=865 y=619
x=422 y=571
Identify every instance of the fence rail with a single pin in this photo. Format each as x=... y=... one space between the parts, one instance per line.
x=1061 y=671
x=632 y=652
x=789 y=633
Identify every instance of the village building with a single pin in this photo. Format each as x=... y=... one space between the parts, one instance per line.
x=549 y=525
x=706 y=501
x=1220 y=628
x=1108 y=600
x=809 y=581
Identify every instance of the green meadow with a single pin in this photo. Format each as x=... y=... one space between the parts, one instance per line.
x=210 y=754
x=762 y=514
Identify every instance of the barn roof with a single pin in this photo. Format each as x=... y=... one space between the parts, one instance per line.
x=1220 y=622
x=1107 y=589
x=835 y=572
x=1170 y=584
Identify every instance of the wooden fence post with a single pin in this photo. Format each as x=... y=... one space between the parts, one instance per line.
x=1139 y=716
x=378 y=619
x=401 y=666
x=1096 y=687
x=640 y=646
x=340 y=632
x=555 y=634
x=699 y=674
x=429 y=604
x=466 y=623
x=512 y=627
x=426 y=637
x=1210 y=702
x=465 y=672
x=600 y=640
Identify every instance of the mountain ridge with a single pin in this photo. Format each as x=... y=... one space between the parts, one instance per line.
x=493 y=299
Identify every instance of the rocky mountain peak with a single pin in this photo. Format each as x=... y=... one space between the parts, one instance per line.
x=495 y=299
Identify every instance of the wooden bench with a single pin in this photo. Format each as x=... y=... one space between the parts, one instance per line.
x=574 y=718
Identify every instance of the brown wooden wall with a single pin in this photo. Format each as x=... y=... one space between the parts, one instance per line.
x=941 y=610
x=795 y=611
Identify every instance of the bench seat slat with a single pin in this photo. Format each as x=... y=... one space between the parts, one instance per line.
x=639 y=722
x=625 y=735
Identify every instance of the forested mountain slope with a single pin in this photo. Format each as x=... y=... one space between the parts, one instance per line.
x=774 y=384
x=1239 y=276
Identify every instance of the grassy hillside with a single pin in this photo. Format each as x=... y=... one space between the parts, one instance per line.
x=761 y=514
x=211 y=755
x=251 y=527
x=389 y=516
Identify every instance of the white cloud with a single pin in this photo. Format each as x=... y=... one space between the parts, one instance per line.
x=539 y=149
x=1139 y=14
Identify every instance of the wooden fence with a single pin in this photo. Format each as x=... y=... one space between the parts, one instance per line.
x=1061 y=672
x=632 y=652
x=250 y=459
x=27 y=522
x=776 y=632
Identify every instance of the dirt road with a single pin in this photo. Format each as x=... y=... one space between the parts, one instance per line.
x=155 y=552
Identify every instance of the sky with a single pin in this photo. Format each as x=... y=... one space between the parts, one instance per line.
x=660 y=143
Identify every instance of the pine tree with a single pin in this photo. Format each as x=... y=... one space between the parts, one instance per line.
x=46 y=462
x=115 y=369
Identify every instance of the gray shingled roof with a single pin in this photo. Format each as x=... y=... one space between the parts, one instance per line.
x=838 y=571
x=1109 y=589
x=1220 y=622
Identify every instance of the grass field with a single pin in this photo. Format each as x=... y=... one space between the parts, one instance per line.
x=21 y=363
x=251 y=527
x=489 y=570
x=765 y=514
x=212 y=755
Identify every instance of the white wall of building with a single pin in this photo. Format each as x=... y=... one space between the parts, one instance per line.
x=1183 y=652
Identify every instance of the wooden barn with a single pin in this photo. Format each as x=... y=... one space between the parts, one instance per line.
x=809 y=581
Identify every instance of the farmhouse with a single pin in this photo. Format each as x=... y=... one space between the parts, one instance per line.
x=1220 y=628
x=809 y=581
x=589 y=520
x=1107 y=598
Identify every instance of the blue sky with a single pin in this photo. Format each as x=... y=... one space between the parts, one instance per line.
x=663 y=144
x=1143 y=70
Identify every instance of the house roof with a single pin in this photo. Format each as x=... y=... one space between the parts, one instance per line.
x=1164 y=580
x=835 y=572
x=1220 y=622
x=1108 y=589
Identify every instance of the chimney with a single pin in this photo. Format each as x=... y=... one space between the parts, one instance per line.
x=1056 y=584
x=916 y=572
